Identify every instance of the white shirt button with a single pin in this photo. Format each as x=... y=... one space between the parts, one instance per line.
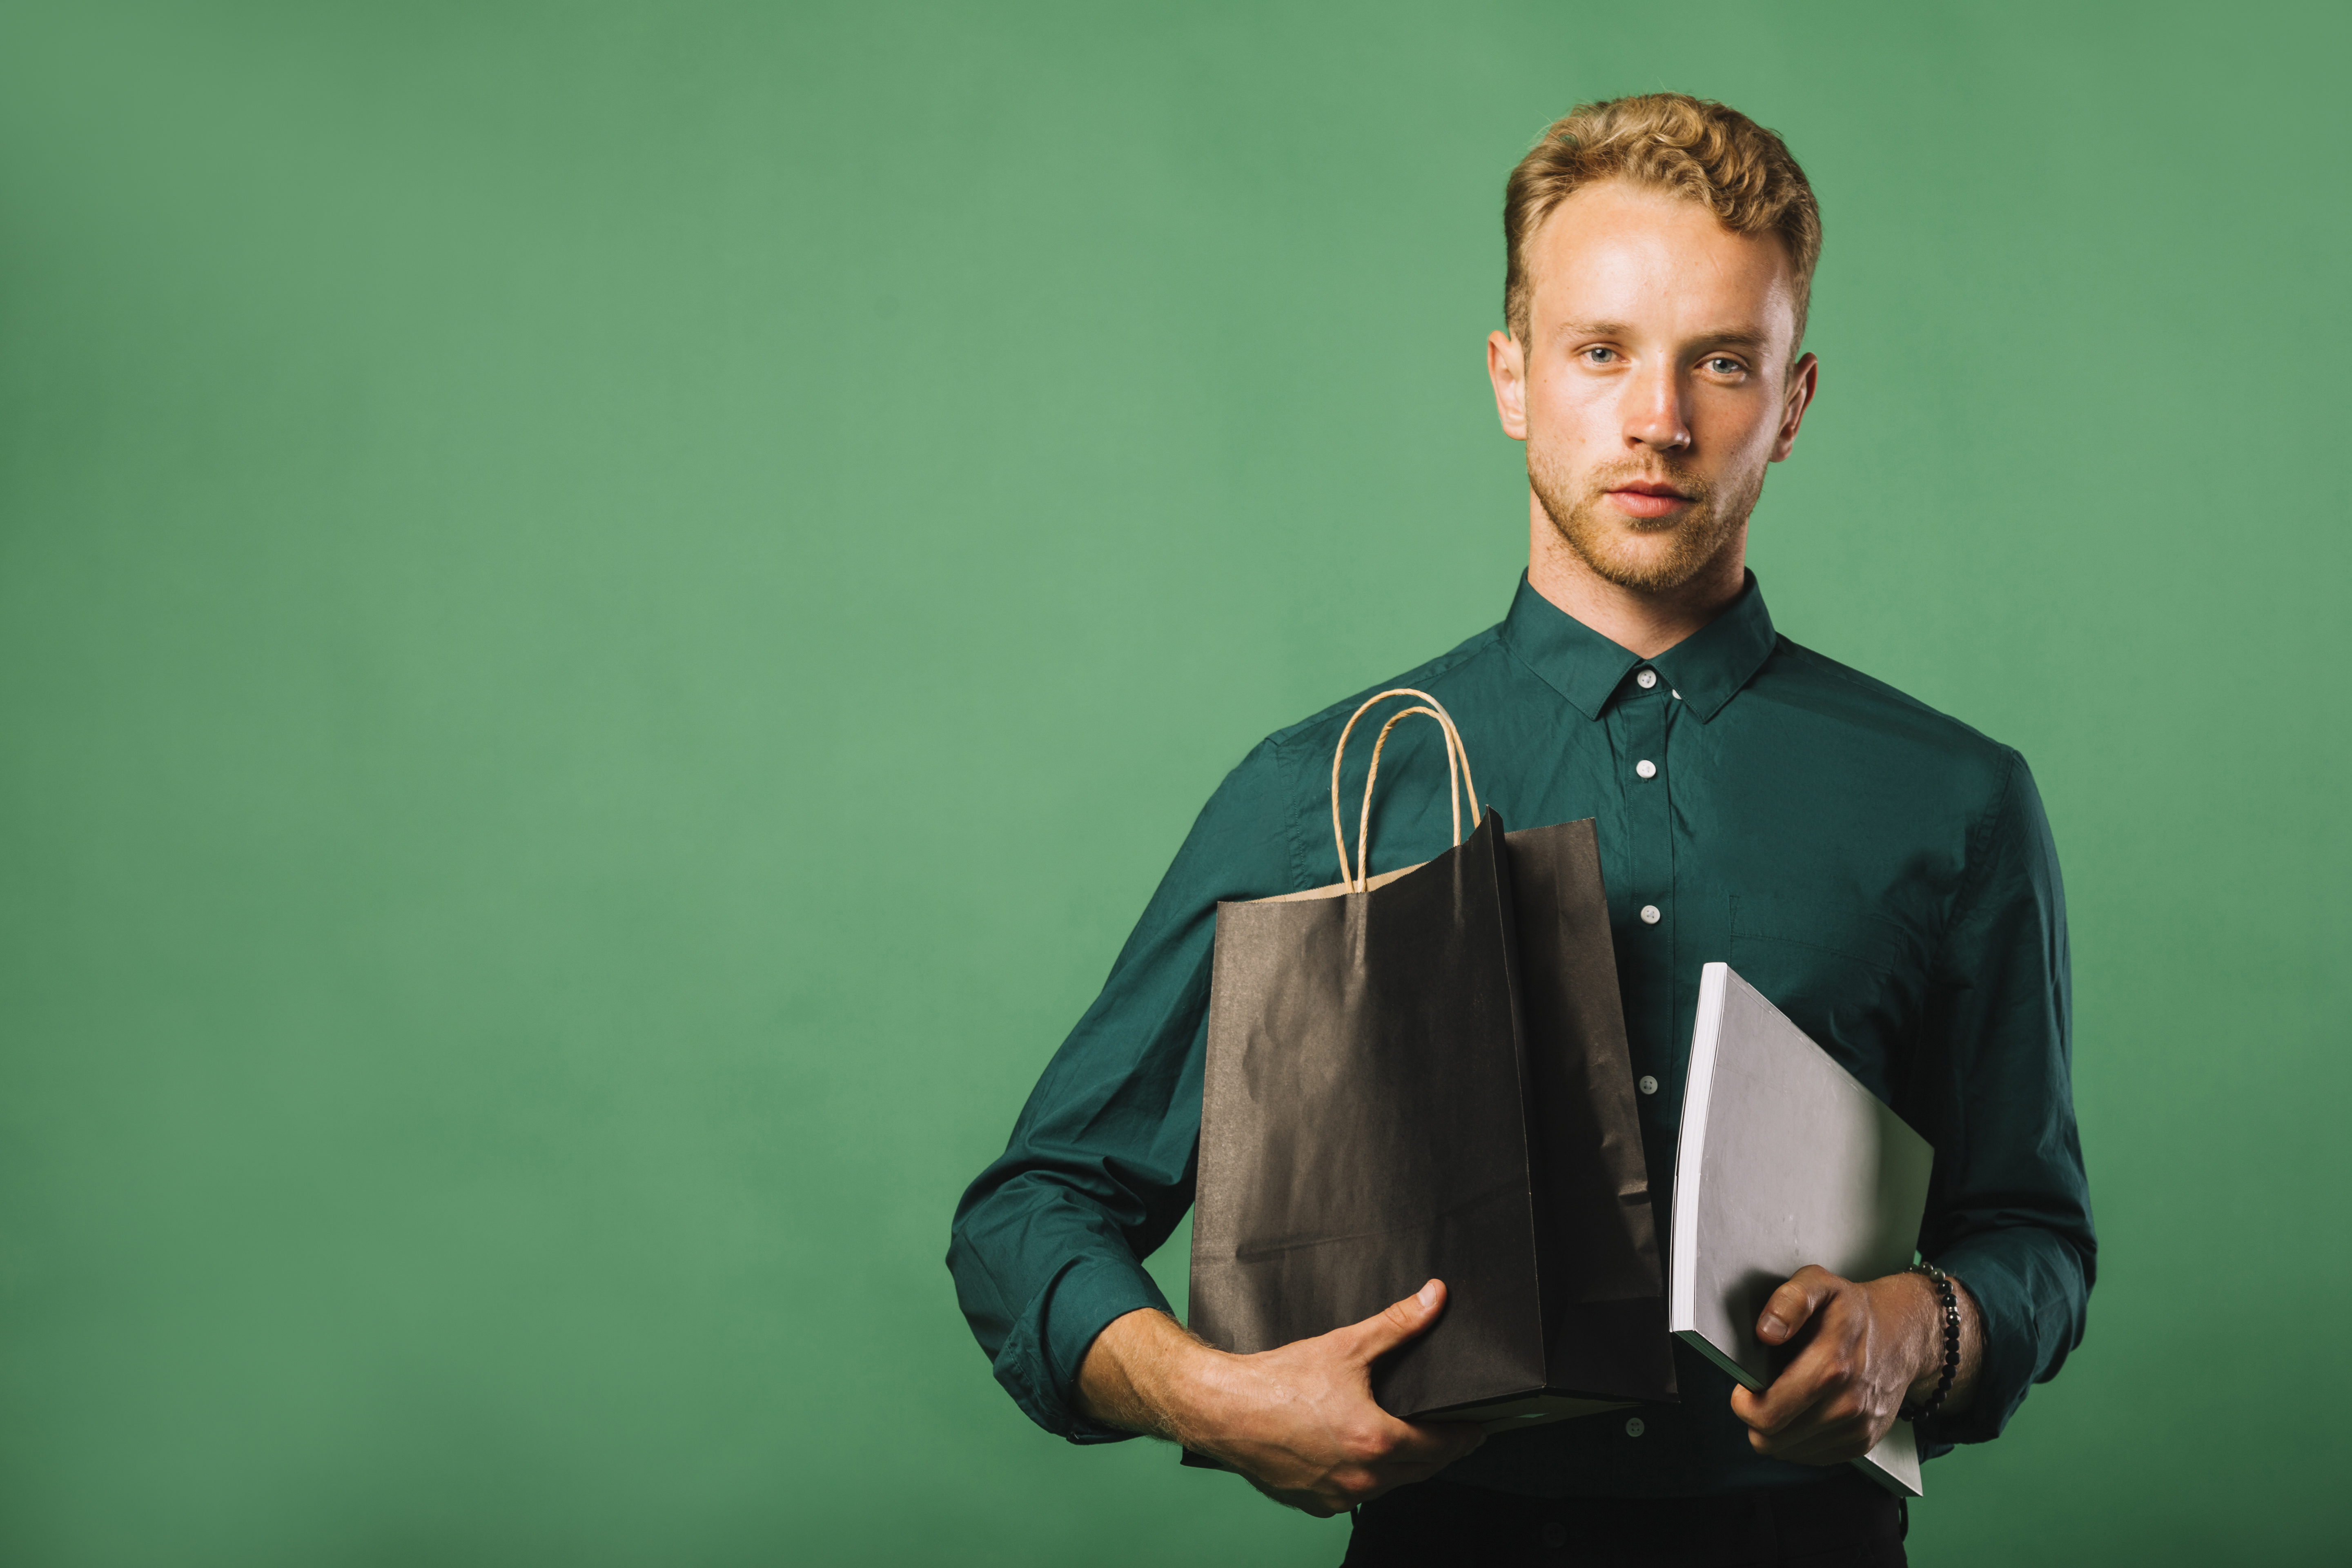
x=1646 y=768
x=1648 y=1084
x=1649 y=915
x=1633 y=1427
x=1646 y=679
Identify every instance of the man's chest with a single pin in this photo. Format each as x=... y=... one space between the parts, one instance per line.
x=1821 y=863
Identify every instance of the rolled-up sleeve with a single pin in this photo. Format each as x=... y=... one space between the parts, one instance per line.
x=2008 y=1213
x=1046 y=1245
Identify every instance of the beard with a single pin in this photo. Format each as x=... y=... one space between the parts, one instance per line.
x=1608 y=541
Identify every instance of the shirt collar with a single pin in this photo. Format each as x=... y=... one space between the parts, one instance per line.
x=1705 y=670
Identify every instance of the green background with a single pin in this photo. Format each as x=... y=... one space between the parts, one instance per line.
x=607 y=613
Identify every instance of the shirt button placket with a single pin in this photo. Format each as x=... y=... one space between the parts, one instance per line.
x=1652 y=821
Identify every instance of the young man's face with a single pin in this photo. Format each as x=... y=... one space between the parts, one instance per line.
x=1656 y=383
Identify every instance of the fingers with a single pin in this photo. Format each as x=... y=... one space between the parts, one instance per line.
x=1778 y=1412
x=1434 y=1444
x=1794 y=1303
x=1834 y=1444
x=1805 y=1410
x=1306 y=1502
x=1822 y=1367
x=1826 y=1404
x=1800 y=1385
x=1397 y=1322
x=1403 y=1455
x=1408 y=1453
x=1838 y=1428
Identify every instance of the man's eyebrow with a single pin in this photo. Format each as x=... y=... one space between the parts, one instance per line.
x=1727 y=337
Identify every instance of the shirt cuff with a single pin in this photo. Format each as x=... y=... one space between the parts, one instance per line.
x=1038 y=1364
x=2011 y=1337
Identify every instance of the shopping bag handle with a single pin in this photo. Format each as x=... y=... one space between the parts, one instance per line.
x=1457 y=776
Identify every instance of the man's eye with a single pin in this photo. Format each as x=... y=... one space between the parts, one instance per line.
x=1599 y=356
x=1722 y=366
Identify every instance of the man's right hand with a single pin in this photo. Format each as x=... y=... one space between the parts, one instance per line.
x=1299 y=1422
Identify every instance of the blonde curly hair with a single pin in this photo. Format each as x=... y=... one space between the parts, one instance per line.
x=1672 y=142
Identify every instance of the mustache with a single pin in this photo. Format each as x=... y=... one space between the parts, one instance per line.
x=1614 y=476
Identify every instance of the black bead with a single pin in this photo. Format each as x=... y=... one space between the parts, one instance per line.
x=1950 y=1300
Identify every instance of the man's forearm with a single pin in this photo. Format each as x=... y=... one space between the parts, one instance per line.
x=1129 y=1372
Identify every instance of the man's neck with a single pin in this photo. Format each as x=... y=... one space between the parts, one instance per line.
x=1640 y=621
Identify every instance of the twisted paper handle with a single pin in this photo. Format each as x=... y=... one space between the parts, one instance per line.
x=1457 y=775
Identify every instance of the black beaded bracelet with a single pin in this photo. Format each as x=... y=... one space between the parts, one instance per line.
x=1943 y=1283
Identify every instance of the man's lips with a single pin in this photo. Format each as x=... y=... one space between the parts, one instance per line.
x=1648 y=498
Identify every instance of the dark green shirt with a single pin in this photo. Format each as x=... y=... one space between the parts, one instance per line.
x=1882 y=873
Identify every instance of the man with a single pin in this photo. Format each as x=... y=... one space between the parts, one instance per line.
x=1882 y=873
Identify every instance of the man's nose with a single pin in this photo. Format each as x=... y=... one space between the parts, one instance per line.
x=1653 y=411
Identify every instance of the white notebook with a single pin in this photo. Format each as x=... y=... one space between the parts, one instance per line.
x=1785 y=1160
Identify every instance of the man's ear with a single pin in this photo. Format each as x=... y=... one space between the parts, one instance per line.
x=1804 y=380
x=1507 y=367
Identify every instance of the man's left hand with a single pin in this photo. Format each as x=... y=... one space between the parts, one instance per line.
x=1867 y=1346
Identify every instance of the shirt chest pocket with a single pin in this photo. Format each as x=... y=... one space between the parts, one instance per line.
x=1854 y=981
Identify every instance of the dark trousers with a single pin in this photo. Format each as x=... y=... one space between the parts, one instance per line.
x=1843 y=1522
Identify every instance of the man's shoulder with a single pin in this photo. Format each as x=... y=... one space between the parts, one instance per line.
x=1463 y=663
x=1882 y=716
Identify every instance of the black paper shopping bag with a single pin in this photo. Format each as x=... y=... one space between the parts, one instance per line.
x=1423 y=1075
